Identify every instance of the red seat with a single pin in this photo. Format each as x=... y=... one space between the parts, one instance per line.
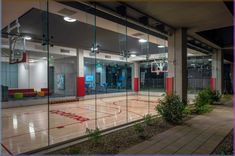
x=26 y=92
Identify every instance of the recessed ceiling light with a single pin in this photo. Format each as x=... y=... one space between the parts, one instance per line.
x=68 y=19
x=161 y=46
x=142 y=40
x=27 y=37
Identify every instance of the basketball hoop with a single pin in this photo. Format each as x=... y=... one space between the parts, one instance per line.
x=16 y=45
x=159 y=66
x=17 y=49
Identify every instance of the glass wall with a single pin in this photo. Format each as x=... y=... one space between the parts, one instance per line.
x=199 y=72
x=67 y=70
x=24 y=62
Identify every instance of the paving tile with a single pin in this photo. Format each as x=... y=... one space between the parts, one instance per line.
x=199 y=135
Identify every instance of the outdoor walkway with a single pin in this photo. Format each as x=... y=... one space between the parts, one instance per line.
x=199 y=135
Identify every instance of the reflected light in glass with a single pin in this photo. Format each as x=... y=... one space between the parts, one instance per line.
x=31 y=130
x=15 y=122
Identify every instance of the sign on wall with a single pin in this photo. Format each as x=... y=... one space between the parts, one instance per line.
x=60 y=81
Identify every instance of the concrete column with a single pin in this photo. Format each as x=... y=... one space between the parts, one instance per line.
x=136 y=76
x=177 y=81
x=80 y=73
x=216 y=82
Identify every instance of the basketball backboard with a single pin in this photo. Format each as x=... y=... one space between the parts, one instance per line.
x=17 y=49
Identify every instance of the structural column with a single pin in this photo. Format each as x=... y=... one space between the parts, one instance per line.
x=80 y=73
x=136 y=76
x=216 y=82
x=177 y=81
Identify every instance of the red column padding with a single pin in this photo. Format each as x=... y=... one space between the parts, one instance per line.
x=212 y=83
x=136 y=84
x=80 y=86
x=169 y=85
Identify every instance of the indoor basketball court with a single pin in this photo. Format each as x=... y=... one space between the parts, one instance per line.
x=68 y=120
x=65 y=69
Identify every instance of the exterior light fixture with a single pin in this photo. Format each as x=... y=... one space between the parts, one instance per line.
x=142 y=40
x=161 y=46
x=27 y=38
x=68 y=19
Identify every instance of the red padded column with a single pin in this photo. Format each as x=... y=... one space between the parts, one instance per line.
x=80 y=86
x=169 y=85
x=136 y=84
x=212 y=83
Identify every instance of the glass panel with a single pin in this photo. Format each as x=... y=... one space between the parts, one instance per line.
x=199 y=73
x=112 y=76
x=157 y=66
x=138 y=101
x=23 y=75
x=72 y=76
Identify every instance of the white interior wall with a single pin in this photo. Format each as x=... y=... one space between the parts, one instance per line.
x=32 y=75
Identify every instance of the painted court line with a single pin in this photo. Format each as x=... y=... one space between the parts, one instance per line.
x=8 y=151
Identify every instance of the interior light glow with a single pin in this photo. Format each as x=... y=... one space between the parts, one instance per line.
x=133 y=55
x=142 y=40
x=27 y=38
x=68 y=19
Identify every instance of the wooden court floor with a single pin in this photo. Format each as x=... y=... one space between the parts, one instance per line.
x=32 y=127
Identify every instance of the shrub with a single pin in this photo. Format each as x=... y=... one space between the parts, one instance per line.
x=187 y=111
x=148 y=119
x=204 y=99
x=171 y=108
x=94 y=135
x=139 y=129
x=74 y=150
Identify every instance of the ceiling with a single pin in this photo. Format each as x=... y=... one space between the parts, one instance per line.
x=211 y=22
x=80 y=35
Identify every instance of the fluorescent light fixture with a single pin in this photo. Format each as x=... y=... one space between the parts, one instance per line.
x=161 y=46
x=142 y=40
x=133 y=55
x=68 y=19
x=27 y=38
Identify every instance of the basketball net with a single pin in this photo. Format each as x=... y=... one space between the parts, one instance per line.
x=157 y=66
x=16 y=45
